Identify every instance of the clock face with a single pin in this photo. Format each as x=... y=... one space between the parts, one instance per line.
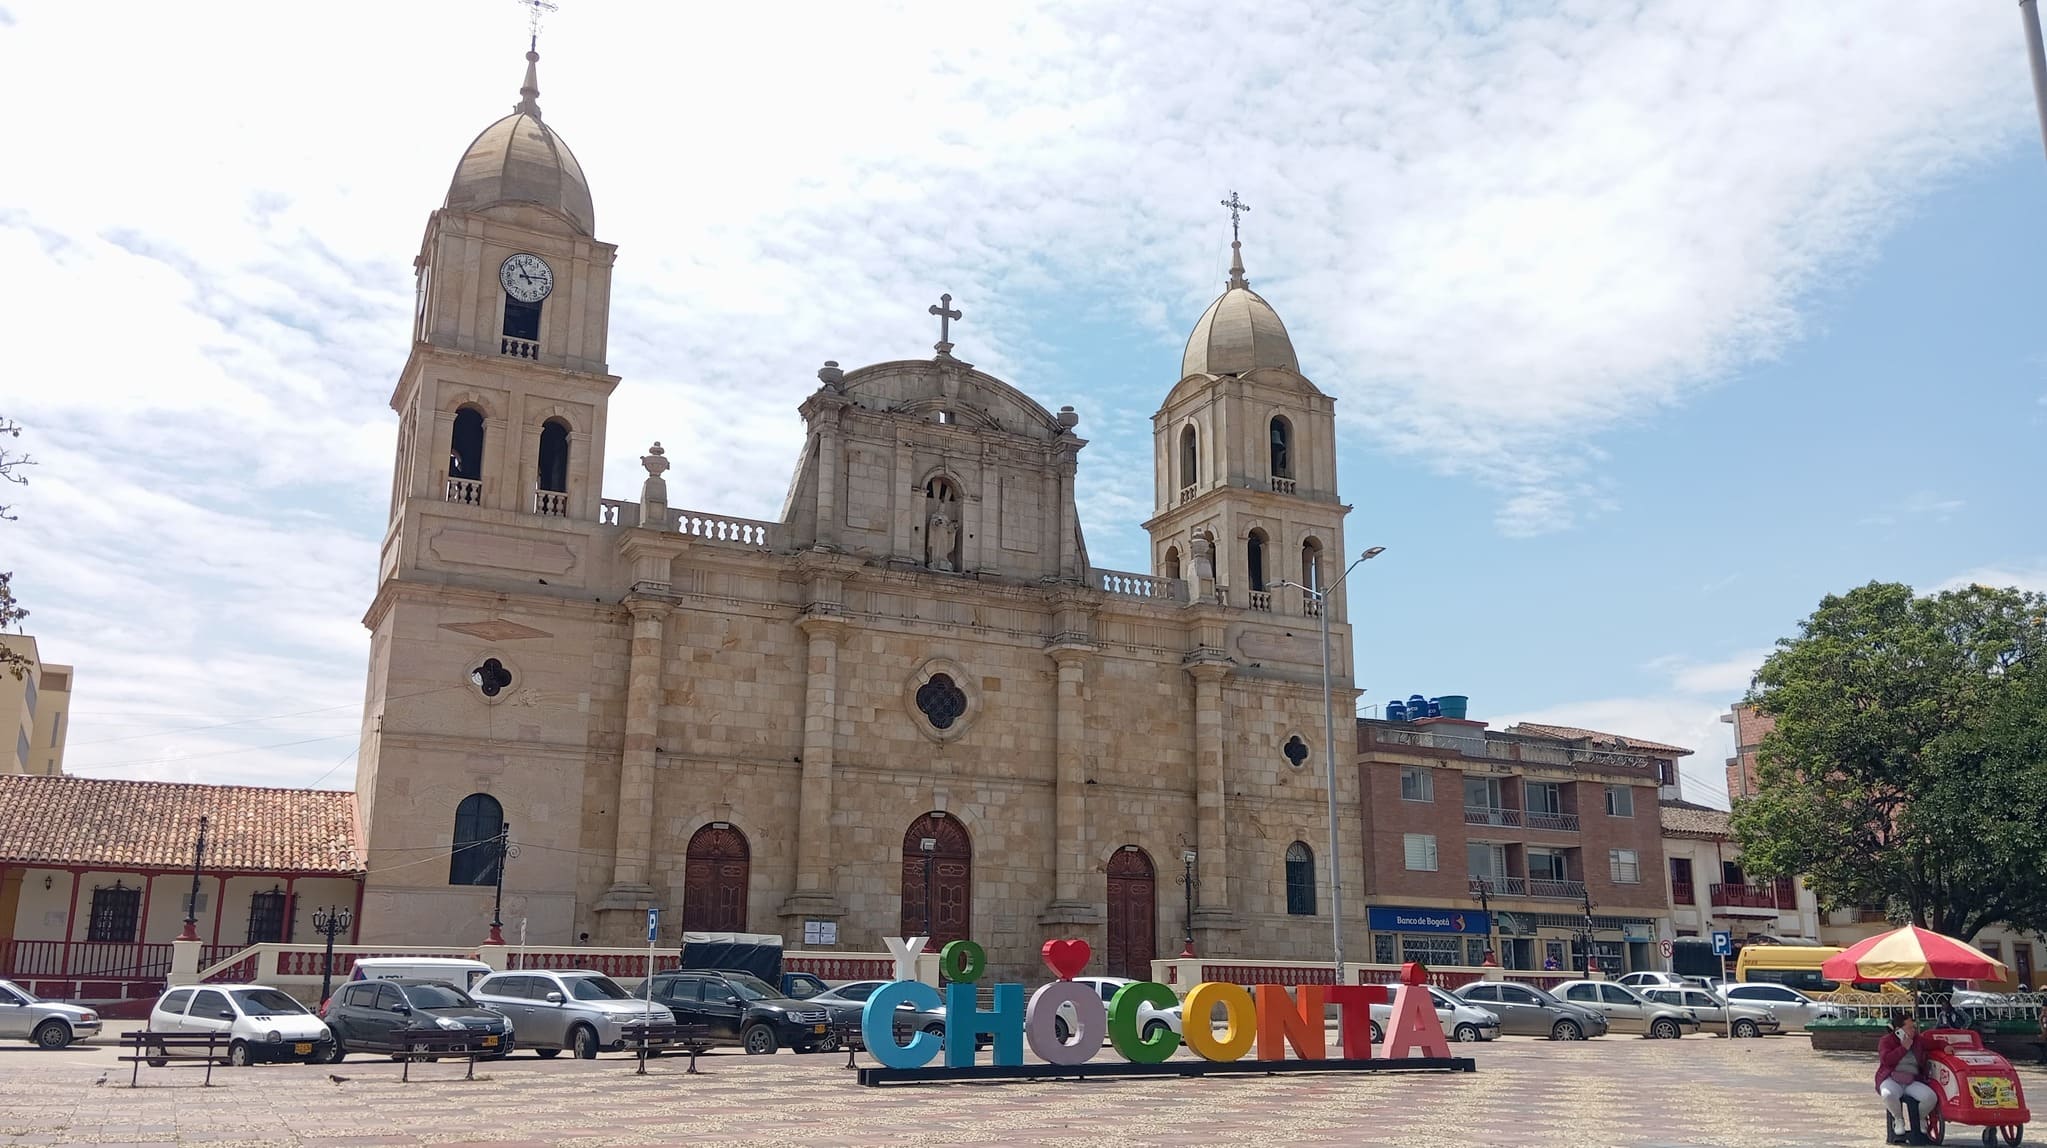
x=526 y=278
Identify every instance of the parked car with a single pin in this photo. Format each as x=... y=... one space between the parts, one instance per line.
x=1149 y=1017
x=802 y=986
x=1628 y=1011
x=578 y=1010
x=1713 y=1011
x=458 y=971
x=1648 y=980
x=260 y=1022
x=47 y=1024
x=1525 y=1010
x=1794 y=1010
x=742 y=1009
x=369 y=1015
x=1461 y=1019
x=846 y=1002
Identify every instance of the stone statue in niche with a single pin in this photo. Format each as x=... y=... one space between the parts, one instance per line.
x=1204 y=559
x=941 y=539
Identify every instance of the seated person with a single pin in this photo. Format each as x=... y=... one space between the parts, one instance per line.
x=1902 y=1058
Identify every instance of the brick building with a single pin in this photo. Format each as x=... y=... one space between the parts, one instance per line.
x=1512 y=840
x=1750 y=728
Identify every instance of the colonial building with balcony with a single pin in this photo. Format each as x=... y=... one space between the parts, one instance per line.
x=1536 y=841
x=1709 y=892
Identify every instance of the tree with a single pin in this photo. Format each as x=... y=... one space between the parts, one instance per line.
x=1909 y=761
x=11 y=613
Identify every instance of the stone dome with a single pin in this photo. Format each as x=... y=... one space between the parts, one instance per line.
x=1239 y=332
x=521 y=160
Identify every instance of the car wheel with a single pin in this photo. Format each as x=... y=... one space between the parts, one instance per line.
x=335 y=1053
x=1665 y=1029
x=829 y=1044
x=1746 y=1029
x=759 y=1040
x=1566 y=1030
x=157 y=1056
x=1378 y=1034
x=238 y=1054
x=547 y=1053
x=584 y=1040
x=1466 y=1033
x=1060 y=1030
x=1156 y=1030
x=53 y=1034
x=935 y=1029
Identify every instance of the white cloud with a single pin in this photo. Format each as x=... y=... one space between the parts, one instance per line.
x=1495 y=234
x=1922 y=504
x=2027 y=576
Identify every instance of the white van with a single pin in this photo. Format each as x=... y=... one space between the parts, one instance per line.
x=457 y=971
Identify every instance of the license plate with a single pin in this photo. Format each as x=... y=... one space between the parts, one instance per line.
x=818 y=1028
x=302 y=1048
x=490 y=1042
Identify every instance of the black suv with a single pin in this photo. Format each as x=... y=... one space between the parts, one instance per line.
x=740 y=1008
x=367 y=1016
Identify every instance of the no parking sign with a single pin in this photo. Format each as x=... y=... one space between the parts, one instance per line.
x=1666 y=948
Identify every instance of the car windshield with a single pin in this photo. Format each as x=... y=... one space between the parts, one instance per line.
x=437 y=996
x=596 y=989
x=266 y=1002
x=27 y=997
x=750 y=988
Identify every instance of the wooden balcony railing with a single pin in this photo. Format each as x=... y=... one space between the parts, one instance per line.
x=1745 y=896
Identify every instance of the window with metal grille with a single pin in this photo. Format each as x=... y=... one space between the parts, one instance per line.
x=1300 y=880
x=114 y=913
x=269 y=917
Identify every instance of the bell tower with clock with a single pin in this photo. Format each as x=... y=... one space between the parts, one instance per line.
x=502 y=401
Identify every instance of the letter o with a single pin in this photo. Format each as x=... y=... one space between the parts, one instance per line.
x=878 y=1024
x=1091 y=1023
x=1123 y=1014
x=962 y=962
x=1240 y=1026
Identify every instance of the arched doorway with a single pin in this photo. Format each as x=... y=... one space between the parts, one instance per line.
x=1133 y=914
x=947 y=912
x=714 y=878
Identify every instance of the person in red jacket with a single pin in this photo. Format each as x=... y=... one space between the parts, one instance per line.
x=1902 y=1058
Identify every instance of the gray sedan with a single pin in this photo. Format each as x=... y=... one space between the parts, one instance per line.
x=49 y=1024
x=845 y=1001
x=1525 y=1010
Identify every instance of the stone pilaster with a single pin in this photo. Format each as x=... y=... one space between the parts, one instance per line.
x=1071 y=903
x=1212 y=912
x=632 y=860
x=823 y=633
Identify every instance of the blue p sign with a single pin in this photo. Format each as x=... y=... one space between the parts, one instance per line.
x=1723 y=943
x=653 y=923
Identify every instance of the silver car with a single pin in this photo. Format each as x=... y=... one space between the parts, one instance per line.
x=578 y=1010
x=1628 y=1011
x=48 y=1024
x=1525 y=1010
x=845 y=1002
x=1794 y=1010
x=1716 y=1015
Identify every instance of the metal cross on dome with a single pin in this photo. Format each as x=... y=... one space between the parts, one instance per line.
x=535 y=9
x=1237 y=208
x=946 y=313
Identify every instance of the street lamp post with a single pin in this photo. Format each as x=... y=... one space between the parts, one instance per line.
x=1320 y=596
x=1483 y=888
x=930 y=847
x=1189 y=880
x=330 y=922
x=503 y=848
x=1591 y=961
x=191 y=932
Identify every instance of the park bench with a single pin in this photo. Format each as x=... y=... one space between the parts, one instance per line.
x=424 y=1043
x=643 y=1036
x=846 y=1028
x=175 y=1050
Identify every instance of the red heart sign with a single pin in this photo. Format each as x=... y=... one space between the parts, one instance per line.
x=1066 y=957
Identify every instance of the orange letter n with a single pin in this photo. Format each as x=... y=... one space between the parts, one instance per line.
x=1281 y=1023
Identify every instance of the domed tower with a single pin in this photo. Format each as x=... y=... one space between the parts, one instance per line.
x=1245 y=462
x=503 y=399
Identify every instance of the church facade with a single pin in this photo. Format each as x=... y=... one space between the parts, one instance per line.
x=910 y=705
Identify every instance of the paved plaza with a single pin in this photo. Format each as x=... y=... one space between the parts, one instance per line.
x=1613 y=1091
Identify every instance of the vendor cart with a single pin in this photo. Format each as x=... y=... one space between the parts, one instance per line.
x=1976 y=1087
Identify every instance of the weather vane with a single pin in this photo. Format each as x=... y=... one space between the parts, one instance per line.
x=1237 y=208
x=535 y=10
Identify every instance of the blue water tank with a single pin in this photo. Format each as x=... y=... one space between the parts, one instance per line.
x=1417 y=707
x=1435 y=710
x=1396 y=711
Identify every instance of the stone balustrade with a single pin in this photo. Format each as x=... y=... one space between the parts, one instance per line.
x=1124 y=584
x=744 y=532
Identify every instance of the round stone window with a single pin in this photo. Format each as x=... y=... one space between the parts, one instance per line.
x=1296 y=751
x=942 y=701
x=490 y=677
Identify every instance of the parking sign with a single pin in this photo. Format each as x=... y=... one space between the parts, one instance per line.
x=1723 y=943
x=653 y=924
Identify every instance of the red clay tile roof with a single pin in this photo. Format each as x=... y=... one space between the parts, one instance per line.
x=1699 y=822
x=151 y=824
x=1573 y=733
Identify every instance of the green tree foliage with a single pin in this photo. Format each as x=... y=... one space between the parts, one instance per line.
x=11 y=613
x=1909 y=762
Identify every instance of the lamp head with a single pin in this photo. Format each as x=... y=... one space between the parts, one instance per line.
x=1187 y=856
x=1374 y=552
x=928 y=844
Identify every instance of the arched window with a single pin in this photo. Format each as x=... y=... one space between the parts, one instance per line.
x=1282 y=448
x=479 y=821
x=554 y=456
x=938 y=879
x=1190 y=458
x=1170 y=568
x=465 y=445
x=1300 y=880
x=714 y=879
x=1254 y=549
x=1311 y=564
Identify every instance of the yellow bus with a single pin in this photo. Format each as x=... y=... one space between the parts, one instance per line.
x=1796 y=966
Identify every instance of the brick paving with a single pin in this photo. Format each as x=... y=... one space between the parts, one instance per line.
x=1613 y=1091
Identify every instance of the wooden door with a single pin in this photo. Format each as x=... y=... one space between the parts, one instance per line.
x=714 y=880
x=947 y=914
x=1133 y=914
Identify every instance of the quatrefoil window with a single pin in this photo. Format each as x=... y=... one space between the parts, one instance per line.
x=942 y=701
x=1296 y=750
x=491 y=677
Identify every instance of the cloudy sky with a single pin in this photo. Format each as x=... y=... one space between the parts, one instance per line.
x=1650 y=322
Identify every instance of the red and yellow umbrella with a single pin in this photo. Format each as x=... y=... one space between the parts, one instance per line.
x=1913 y=953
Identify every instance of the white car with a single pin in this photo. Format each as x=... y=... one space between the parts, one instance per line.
x=1150 y=1018
x=261 y=1023
x=1652 y=980
x=1461 y=1020
x=1794 y=1010
x=49 y=1024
